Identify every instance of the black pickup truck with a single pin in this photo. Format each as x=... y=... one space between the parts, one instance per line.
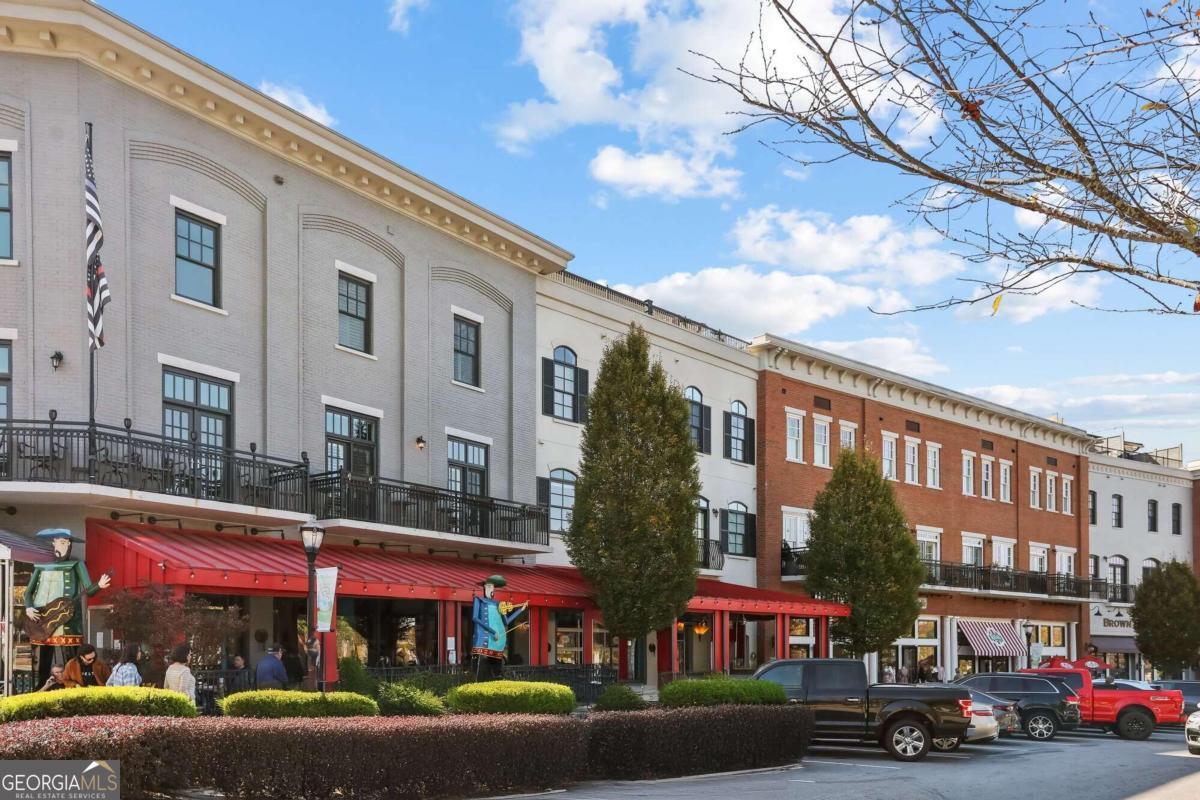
x=904 y=719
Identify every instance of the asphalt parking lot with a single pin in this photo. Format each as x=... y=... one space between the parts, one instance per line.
x=1091 y=765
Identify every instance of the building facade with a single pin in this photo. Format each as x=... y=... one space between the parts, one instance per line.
x=994 y=497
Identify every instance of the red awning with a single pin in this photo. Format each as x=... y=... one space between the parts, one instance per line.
x=140 y=555
x=992 y=638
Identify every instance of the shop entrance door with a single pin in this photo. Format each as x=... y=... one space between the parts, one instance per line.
x=289 y=628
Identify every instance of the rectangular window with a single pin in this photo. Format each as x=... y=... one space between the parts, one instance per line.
x=1094 y=567
x=354 y=313
x=1152 y=516
x=568 y=637
x=1035 y=488
x=197 y=259
x=6 y=206
x=200 y=407
x=933 y=466
x=351 y=442
x=929 y=545
x=985 y=478
x=968 y=473
x=1091 y=507
x=795 y=529
x=562 y=500
x=466 y=467
x=972 y=548
x=737 y=526
x=1003 y=553
x=1176 y=513
x=1005 y=482
x=1064 y=562
x=739 y=434
x=889 y=456
x=1118 y=511
x=6 y=380
x=1037 y=558
x=912 y=465
x=795 y=437
x=847 y=433
x=466 y=351
x=1051 y=490
x=1068 y=505
x=820 y=441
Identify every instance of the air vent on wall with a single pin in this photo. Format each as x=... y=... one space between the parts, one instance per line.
x=912 y=426
x=987 y=445
x=822 y=402
x=1052 y=461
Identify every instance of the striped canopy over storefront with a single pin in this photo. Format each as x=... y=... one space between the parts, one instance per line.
x=992 y=637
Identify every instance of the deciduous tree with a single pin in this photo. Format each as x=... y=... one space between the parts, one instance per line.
x=1166 y=616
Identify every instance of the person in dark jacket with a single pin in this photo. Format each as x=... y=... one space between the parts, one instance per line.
x=270 y=673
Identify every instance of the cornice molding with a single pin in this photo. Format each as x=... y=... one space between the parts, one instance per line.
x=1156 y=475
x=82 y=31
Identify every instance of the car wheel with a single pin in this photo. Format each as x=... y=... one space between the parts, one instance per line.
x=1194 y=750
x=1136 y=725
x=946 y=745
x=1041 y=725
x=907 y=740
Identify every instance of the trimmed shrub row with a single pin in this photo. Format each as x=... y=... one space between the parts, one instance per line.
x=97 y=701
x=411 y=757
x=719 y=691
x=403 y=700
x=619 y=697
x=511 y=697
x=280 y=703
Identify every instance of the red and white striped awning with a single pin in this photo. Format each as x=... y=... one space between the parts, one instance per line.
x=992 y=637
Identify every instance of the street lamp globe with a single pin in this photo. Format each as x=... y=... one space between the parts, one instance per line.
x=313 y=536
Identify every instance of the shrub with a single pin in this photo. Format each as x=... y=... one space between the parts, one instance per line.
x=512 y=697
x=277 y=703
x=440 y=683
x=353 y=677
x=721 y=691
x=97 y=701
x=687 y=741
x=619 y=697
x=403 y=700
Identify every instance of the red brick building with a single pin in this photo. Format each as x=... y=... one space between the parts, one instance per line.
x=996 y=499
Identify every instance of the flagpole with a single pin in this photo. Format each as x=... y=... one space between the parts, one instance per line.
x=91 y=378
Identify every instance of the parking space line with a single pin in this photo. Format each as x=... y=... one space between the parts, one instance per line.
x=851 y=764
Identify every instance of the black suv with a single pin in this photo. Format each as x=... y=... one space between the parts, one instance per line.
x=1046 y=704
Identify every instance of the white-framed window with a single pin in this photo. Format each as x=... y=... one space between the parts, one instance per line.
x=987 y=467
x=968 y=473
x=1035 y=487
x=912 y=463
x=1068 y=497
x=1038 y=557
x=847 y=434
x=889 y=455
x=1051 y=491
x=796 y=527
x=795 y=435
x=1004 y=552
x=933 y=465
x=929 y=543
x=1005 y=481
x=1064 y=560
x=972 y=549
x=821 y=440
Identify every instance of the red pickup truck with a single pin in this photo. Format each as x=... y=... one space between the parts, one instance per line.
x=1132 y=713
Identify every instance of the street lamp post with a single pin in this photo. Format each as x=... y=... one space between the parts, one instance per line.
x=1030 y=629
x=312 y=535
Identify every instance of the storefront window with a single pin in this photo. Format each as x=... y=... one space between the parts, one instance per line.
x=927 y=629
x=568 y=637
x=914 y=659
x=752 y=641
x=798 y=626
x=606 y=648
x=388 y=633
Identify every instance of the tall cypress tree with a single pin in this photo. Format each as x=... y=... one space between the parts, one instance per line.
x=1166 y=616
x=632 y=531
x=861 y=552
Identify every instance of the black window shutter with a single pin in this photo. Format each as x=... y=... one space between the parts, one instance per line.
x=725 y=522
x=728 y=435
x=547 y=387
x=543 y=491
x=581 y=395
x=749 y=441
x=706 y=429
x=751 y=535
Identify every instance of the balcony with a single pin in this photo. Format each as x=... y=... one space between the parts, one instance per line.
x=998 y=580
x=352 y=504
x=793 y=562
x=709 y=555
x=1120 y=593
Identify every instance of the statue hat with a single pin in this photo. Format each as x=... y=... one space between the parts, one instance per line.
x=495 y=580
x=50 y=534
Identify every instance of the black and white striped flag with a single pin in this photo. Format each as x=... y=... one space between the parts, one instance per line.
x=93 y=230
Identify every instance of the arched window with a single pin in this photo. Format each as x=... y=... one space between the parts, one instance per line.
x=698 y=421
x=701 y=518
x=739 y=433
x=736 y=526
x=564 y=386
x=1152 y=516
x=562 y=499
x=1149 y=566
x=1118 y=570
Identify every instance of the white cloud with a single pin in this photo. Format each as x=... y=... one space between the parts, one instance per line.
x=296 y=99
x=666 y=174
x=1065 y=295
x=1090 y=410
x=797 y=173
x=895 y=353
x=873 y=247
x=399 y=11
x=1167 y=378
x=747 y=302
x=1014 y=348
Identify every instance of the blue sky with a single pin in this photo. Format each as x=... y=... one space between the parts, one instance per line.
x=571 y=118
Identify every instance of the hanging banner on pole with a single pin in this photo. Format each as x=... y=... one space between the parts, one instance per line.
x=326 y=590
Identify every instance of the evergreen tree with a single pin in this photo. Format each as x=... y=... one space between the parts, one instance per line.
x=1166 y=616
x=632 y=531
x=861 y=552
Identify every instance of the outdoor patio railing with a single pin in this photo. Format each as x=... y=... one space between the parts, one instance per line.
x=1000 y=579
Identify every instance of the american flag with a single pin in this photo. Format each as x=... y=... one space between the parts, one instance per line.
x=93 y=231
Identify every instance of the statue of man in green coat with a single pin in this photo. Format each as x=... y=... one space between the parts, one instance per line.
x=53 y=598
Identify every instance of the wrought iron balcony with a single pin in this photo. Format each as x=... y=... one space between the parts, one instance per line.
x=999 y=579
x=1121 y=593
x=339 y=495
x=55 y=451
x=793 y=561
x=709 y=554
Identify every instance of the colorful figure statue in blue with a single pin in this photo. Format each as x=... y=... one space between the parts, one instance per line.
x=490 y=636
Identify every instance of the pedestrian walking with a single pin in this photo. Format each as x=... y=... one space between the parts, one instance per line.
x=86 y=669
x=126 y=672
x=179 y=677
x=270 y=673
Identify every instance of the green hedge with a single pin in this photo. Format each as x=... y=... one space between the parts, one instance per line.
x=278 y=703
x=512 y=697
x=619 y=697
x=440 y=683
x=353 y=677
x=97 y=701
x=402 y=700
x=721 y=691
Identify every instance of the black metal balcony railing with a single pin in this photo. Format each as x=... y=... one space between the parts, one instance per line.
x=105 y=455
x=793 y=561
x=339 y=495
x=1121 y=592
x=1000 y=579
x=709 y=554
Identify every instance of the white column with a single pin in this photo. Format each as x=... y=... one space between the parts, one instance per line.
x=1072 y=637
x=949 y=647
x=872 y=662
